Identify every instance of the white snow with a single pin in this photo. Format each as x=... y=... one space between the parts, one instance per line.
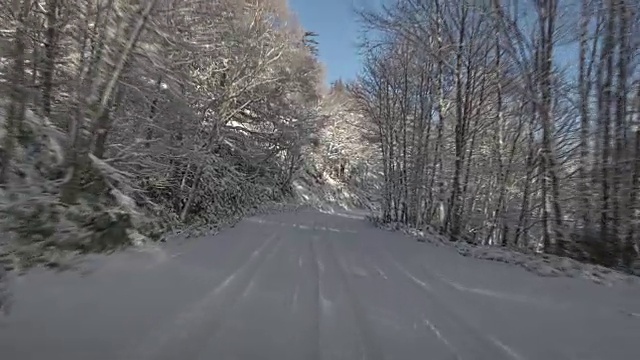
x=540 y=264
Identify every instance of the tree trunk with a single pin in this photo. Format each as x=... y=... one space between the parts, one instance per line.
x=50 y=45
x=17 y=98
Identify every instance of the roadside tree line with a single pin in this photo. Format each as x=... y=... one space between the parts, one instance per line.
x=499 y=123
x=122 y=118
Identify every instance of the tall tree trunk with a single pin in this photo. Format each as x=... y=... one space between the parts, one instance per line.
x=104 y=123
x=620 y=159
x=453 y=221
x=583 y=83
x=17 y=98
x=606 y=72
x=50 y=45
x=552 y=192
x=630 y=249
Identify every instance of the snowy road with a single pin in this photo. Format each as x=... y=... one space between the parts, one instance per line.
x=309 y=285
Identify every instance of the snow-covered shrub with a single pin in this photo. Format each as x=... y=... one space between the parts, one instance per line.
x=36 y=225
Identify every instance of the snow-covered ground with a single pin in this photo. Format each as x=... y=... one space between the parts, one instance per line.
x=540 y=264
x=313 y=285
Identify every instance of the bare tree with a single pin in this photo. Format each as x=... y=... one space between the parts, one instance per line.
x=508 y=156
x=123 y=118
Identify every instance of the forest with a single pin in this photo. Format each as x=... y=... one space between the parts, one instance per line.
x=504 y=123
x=124 y=119
x=509 y=123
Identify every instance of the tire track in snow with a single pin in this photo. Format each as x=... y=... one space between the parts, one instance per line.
x=227 y=307
x=380 y=272
x=527 y=300
x=317 y=289
x=391 y=277
x=506 y=348
x=441 y=337
x=468 y=338
x=370 y=347
x=201 y=319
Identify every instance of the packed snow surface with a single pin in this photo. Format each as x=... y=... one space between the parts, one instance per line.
x=313 y=285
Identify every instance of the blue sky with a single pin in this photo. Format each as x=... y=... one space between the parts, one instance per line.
x=338 y=30
x=335 y=23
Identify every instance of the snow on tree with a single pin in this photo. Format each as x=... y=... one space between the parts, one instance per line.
x=486 y=135
x=121 y=119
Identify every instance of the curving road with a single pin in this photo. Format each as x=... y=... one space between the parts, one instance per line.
x=311 y=285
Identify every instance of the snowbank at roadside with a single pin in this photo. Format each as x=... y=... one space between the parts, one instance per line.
x=539 y=264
